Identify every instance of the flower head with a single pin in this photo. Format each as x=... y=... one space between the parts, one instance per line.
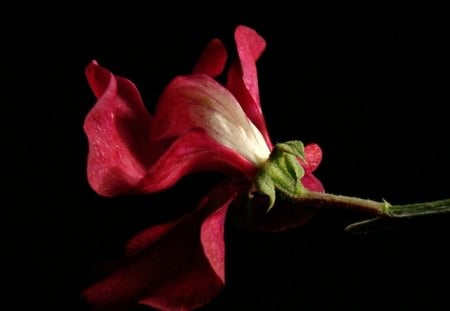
x=199 y=125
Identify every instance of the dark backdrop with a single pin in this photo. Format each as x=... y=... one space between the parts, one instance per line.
x=368 y=83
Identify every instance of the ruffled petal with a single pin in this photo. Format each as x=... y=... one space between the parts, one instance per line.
x=199 y=101
x=242 y=78
x=117 y=128
x=123 y=158
x=192 y=152
x=213 y=59
x=171 y=266
x=171 y=274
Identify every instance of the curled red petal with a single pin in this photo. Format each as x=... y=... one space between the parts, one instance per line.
x=122 y=156
x=172 y=274
x=213 y=59
x=200 y=101
x=242 y=79
x=117 y=128
x=194 y=151
x=250 y=46
x=170 y=266
x=212 y=237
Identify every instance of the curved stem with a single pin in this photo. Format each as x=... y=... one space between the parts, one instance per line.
x=382 y=210
x=319 y=199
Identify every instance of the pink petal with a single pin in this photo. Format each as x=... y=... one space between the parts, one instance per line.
x=212 y=237
x=122 y=156
x=242 y=78
x=187 y=96
x=117 y=128
x=212 y=240
x=213 y=59
x=189 y=289
x=250 y=46
x=170 y=266
x=172 y=273
x=200 y=101
x=313 y=157
x=310 y=182
x=192 y=152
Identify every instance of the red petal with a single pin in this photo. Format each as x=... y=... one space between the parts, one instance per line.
x=172 y=270
x=199 y=101
x=193 y=283
x=117 y=128
x=122 y=157
x=193 y=152
x=213 y=59
x=212 y=237
x=188 y=101
x=250 y=46
x=172 y=273
x=189 y=289
x=242 y=78
x=310 y=182
x=313 y=157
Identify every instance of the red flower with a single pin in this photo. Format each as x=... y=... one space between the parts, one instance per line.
x=199 y=125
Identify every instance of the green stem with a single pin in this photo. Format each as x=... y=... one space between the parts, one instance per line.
x=382 y=210
x=373 y=207
x=419 y=209
x=318 y=199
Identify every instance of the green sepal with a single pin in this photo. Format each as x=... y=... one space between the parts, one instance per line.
x=293 y=147
x=282 y=172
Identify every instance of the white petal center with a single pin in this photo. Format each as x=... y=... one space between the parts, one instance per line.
x=216 y=110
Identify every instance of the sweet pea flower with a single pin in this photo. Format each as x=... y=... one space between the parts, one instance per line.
x=199 y=125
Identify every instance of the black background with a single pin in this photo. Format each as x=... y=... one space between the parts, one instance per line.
x=369 y=83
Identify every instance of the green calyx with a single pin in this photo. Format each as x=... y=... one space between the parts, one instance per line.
x=282 y=172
